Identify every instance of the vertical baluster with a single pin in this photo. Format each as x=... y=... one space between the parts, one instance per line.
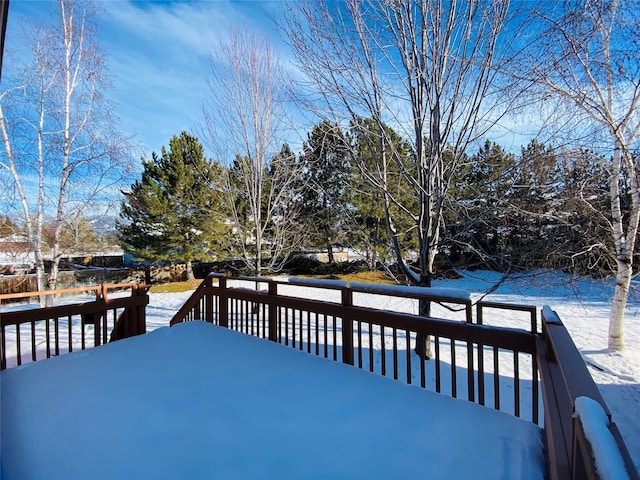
x=301 y=333
x=371 y=347
x=244 y=318
x=33 y=341
x=359 y=344
x=18 y=347
x=83 y=334
x=70 y=339
x=235 y=315
x=293 y=328
x=308 y=332
x=516 y=384
x=273 y=316
x=496 y=379
x=346 y=322
x=481 y=374
x=286 y=325
x=335 y=339
x=383 y=352
x=209 y=301
x=255 y=319
x=47 y=334
x=407 y=337
x=534 y=390
x=454 y=373
x=56 y=330
x=395 y=353
x=471 y=394
x=317 y=336
x=244 y=315
x=438 y=371
x=326 y=347
x=3 y=349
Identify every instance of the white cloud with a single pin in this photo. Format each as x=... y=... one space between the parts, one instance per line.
x=159 y=59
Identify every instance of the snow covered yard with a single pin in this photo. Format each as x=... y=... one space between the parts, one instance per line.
x=581 y=303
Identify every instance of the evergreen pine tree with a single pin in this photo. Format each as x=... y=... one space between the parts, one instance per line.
x=480 y=213
x=369 y=229
x=175 y=211
x=325 y=164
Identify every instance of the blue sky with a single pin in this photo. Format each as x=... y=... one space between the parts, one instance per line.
x=158 y=60
x=157 y=55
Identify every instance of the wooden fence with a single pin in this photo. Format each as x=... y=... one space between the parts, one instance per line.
x=64 y=328
x=469 y=356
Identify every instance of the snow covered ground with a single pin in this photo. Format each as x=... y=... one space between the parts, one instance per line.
x=582 y=304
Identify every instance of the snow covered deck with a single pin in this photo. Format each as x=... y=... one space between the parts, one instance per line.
x=201 y=401
x=174 y=392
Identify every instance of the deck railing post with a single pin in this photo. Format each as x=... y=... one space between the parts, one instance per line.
x=347 y=328
x=471 y=389
x=141 y=311
x=99 y=317
x=208 y=300
x=273 y=313
x=224 y=306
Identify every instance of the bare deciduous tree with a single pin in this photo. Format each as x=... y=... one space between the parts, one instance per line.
x=587 y=61
x=244 y=118
x=424 y=67
x=61 y=148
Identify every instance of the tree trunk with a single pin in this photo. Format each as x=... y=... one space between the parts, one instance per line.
x=41 y=278
x=330 y=253
x=624 y=243
x=189 y=270
x=423 y=342
x=616 y=320
x=52 y=277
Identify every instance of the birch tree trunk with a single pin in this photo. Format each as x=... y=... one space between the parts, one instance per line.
x=57 y=127
x=590 y=67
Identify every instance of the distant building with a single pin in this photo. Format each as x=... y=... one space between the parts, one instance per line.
x=16 y=256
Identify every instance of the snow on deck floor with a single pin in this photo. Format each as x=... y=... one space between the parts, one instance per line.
x=200 y=401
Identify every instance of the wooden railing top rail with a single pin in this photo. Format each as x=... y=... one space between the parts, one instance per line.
x=108 y=319
x=517 y=339
x=66 y=291
x=56 y=311
x=193 y=300
x=564 y=378
x=563 y=373
x=445 y=295
x=482 y=305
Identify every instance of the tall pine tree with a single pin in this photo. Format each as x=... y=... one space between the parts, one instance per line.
x=175 y=211
x=369 y=231
x=325 y=164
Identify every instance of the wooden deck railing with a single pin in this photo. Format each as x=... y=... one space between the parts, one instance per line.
x=565 y=378
x=358 y=325
x=67 y=327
